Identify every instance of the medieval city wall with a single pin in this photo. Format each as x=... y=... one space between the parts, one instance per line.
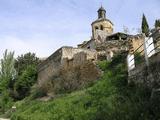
x=72 y=65
x=49 y=67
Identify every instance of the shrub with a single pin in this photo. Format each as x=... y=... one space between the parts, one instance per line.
x=103 y=64
x=37 y=92
x=5 y=102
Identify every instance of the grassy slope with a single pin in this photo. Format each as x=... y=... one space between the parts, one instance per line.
x=109 y=99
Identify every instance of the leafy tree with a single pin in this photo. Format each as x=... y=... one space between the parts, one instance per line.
x=25 y=81
x=23 y=61
x=157 y=23
x=145 y=26
x=26 y=66
x=7 y=76
x=7 y=71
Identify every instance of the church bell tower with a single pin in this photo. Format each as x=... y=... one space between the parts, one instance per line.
x=101 y=13
x=102 y=25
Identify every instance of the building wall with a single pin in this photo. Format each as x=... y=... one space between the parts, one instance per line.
x=107 y=27
x=88 y=45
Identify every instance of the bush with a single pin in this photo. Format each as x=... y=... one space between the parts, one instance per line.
x=37 y=92
x=6 y=102
x=103 y=64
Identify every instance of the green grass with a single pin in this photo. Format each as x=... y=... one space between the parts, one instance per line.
x=61 y=108
x=111 y=98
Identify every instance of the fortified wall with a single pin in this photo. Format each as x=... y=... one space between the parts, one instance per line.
x=68 y=69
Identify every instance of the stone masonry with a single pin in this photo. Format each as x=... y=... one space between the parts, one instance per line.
x=68 y=60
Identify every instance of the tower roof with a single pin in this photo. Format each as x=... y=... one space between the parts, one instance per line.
x=101 y=9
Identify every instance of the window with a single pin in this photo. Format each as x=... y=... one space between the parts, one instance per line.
x=101 y=27
x=96 y=28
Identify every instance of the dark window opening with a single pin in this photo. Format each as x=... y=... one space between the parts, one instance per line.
x=101 y=27
x=96 y=28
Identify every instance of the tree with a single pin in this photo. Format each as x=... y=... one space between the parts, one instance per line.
x=7 y=71
x=7 y=76
x=145 y=26
x=157 y=23
x=25 y=81
x=26 y=66
x=23 y=61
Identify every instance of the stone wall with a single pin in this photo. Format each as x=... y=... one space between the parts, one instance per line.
x=100 y=36
x=135 y=42
x=108 y=49
x=49 y=67
x=87 y=44
x=67 y=64
x=72 y=78
x=156 y=38
x=149 y=76
x=76 y=56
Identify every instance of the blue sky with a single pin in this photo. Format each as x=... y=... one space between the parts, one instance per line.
x=42 y=26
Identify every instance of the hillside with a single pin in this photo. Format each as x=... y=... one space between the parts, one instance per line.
x=111 y=98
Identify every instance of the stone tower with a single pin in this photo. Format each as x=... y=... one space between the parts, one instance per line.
x=102 y=25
